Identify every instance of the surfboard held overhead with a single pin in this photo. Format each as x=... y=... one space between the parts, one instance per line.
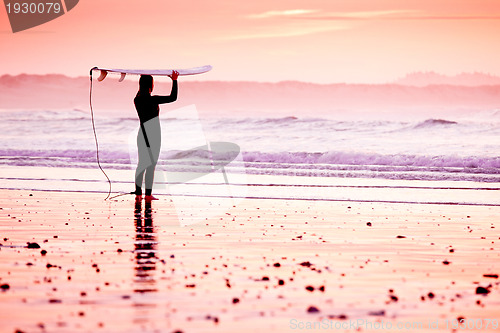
x=157 y=72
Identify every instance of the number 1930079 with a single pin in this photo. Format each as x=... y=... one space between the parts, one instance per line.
x=33 y=8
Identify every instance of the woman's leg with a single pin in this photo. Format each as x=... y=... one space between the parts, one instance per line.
x=149 y=178
x=148 y=155
x=139 y=175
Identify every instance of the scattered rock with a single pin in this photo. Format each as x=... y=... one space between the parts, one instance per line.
x=446 y=262
x=482 y=290
x=281 y=282
x=5 y=286
x=236 y=300
x=312 y=309
x=277 y=264
x=377 y=313
x=43 y=252
x=310 y=288
x=33 y=245
x=369 y=224
x=400 y=236
x=493 y=276
x=306 y=264
x=431 y=295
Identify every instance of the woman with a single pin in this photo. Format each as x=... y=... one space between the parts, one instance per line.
x=149 y=136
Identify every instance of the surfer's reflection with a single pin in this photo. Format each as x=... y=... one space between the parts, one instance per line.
x=145 y=249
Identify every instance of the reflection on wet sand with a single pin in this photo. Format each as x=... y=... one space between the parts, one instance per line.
x=145 y=258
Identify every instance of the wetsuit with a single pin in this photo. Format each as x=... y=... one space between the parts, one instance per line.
x=149 y=135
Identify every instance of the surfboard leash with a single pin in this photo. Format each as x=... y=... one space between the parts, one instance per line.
x=95 y=136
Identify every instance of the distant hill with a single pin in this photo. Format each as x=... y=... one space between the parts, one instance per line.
x=248 y=99
x=422 y=79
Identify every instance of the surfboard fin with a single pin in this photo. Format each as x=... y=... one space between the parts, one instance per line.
x=102 y=76
x=122 y=77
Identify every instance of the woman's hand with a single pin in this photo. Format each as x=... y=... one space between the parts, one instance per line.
x=174 y=75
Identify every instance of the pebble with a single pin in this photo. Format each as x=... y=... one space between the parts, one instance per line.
x=312 y=309
x=482 y=290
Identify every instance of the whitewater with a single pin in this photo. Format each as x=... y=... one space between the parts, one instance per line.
x=462 y=149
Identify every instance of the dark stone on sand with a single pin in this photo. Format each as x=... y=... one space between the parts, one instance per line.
x=369 y=224
x=394 y=298
x=277 y=264
x=306 y=264
x=55 y=300
x=322 y=289
x=461 y=319
x=493 y=276
x=400 y=236
x=265 y=278
x=310 y=288
x=215 y=319
x=281 y=282
x=431 y=295
x=31 y=194
x=482 y=290
x=119 y=250
x=191 y=285
x=33 y=245
x=312 y=309
x=49 y=265
x=340 y=316
x=452 y=250
x=377 y=313
x=43 y=252
x=236 y=300
x=5 y=286
x=446 y=262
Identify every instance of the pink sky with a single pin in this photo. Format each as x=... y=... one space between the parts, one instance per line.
x=324 y=41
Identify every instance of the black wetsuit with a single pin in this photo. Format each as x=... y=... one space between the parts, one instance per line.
x=149 y=136
x=147 y=105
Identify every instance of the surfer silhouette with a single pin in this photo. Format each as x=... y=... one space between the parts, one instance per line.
x=149 y=135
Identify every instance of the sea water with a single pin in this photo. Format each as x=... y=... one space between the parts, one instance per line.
x=460 y=149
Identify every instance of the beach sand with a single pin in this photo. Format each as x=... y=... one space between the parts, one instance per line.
x=264 y=264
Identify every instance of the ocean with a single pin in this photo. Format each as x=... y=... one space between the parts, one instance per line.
x=321 y=154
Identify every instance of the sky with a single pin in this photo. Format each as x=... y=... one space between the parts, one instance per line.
x=320 y=41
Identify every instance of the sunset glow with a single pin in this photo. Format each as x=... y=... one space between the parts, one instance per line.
x=316 y=41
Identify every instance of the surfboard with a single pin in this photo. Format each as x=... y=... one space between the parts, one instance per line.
x=158 y=72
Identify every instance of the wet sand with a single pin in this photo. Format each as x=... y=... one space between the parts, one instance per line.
x=264 y=264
